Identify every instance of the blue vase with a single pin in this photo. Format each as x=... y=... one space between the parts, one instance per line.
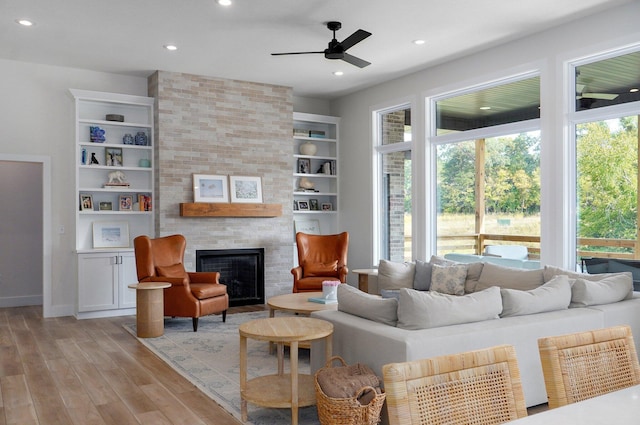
x=96 y=134
x=128 y=139
x=141 y=138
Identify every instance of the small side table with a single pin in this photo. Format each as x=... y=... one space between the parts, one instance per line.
x=150 y=308
x=363 y=278
x=291 y=390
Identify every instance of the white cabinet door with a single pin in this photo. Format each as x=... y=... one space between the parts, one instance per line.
x=97 y=281
x=127 y=276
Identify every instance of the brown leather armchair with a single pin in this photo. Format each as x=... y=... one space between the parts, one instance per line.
x=191 y=294
x=320 y=258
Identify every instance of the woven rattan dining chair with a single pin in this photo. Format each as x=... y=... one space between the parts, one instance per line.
x=587 y=364
x=479 y=387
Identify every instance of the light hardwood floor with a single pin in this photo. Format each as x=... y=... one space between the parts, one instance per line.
x=83 y=372
x=63 y=371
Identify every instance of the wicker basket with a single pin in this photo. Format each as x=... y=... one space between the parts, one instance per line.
x=347 y=411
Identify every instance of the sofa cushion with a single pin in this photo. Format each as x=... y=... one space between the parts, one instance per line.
x=353 y=301
x=395 y=275
x=509 y=277
x=310 y=269
x=390 y=293
x=611 y=289
x=422 y=278
x=174 y=270
x=430 y=309
x=551 y=271
x=553 y=295
x=448 y=279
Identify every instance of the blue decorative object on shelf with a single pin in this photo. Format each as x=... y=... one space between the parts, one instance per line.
x=84 y=156
x=96 y=134
x=141 y=138
x=128 y=139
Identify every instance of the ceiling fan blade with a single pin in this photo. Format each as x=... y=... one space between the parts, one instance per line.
x=360 y=63
x=295 y=53
x=603 y=96
x=354 y=38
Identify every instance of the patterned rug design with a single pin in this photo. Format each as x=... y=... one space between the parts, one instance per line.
x=210 y=360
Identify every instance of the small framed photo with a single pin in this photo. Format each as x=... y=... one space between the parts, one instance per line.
x=311 y=227
x=303 y=205
x=246 y=189
x=126 y=202
x=313 y=205
x=304 y=166
x=327 y=206
x=210 y=188
x=113 y=157
x=113 y=234
x=86 y=202
x=105 y=206
x=295 y=205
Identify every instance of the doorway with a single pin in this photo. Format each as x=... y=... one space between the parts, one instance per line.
x=25 y=268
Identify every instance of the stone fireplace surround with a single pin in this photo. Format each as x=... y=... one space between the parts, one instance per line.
x=216 y=126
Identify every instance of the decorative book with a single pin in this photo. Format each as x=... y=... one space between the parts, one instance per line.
x=321 y=300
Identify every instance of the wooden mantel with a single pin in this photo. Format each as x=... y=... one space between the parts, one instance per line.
x=206 y=209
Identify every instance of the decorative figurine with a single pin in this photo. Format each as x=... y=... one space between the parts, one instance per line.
x=94 y=160
x=117 y=177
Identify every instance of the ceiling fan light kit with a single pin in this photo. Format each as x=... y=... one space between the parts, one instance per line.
x=338 y=50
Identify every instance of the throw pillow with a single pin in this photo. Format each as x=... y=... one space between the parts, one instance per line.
x=448 y=279
x=474 y=271
x=553 y=295
x=429 y=309
x=310 y=269
x=422 y=279
x=611 y=289
x=509 y=277
x=353 y=301
x=175 y=270
x=394 y=275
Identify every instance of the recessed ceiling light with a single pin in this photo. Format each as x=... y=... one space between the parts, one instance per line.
x=633 y=90
x=485 y=108
x=224 y=2
x=418 y=42
x=24 y=22
x=338 y=73
x=170 y=47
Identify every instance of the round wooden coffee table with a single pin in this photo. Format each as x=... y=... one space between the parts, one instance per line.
x=298 y=303
x=291 y=390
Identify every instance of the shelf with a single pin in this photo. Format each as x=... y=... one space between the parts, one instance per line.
x=315 y=175
x=205 y=209
x=115 y=123
x=115 y=145
x=315 y=139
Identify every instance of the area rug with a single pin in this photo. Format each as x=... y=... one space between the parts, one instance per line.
x=210 y=360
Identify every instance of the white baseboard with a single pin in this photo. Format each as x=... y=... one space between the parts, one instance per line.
x=21 y=301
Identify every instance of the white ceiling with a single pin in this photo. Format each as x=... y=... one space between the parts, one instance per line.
x=127 y=36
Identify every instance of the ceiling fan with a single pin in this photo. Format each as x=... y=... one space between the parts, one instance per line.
x=338 y=50
x=581 y=94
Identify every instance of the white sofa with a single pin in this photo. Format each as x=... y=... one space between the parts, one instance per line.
x=358 y=339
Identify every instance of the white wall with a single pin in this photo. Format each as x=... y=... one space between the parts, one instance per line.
x=547 y=50
x=37 y=118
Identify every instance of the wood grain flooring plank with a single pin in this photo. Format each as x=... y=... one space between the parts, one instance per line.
x=10 y=363
x=154 y=418
x=95 y=385
x=116 y=413
x=130 y=394
x=18 y=405
x=170 y=406
x=210 y=412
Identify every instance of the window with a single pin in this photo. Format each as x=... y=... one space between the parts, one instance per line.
x=605 y=125
x=394 y=184
x=487 y=167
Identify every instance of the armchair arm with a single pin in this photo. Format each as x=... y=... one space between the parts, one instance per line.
x=297 y=272
x=342 y=273
x=204 y=277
